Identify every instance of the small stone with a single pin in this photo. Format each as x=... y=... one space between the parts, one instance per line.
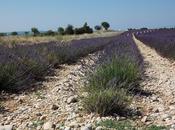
x=20 y=101
x=84 y=128
x=61 y=128
x=154 y=99
x=122 y=118
x=84 y=94
x=144 y=119
x=6 y=127
x=54 y=107
x=38 y=127
x=74 y=124
x=38 y=114
x=172 y=107
x=166 y=117
x=67 y=128
x=43 y=117
x=72 y=99
x=87 y=127
x=173 y=126
x=99 y=128
x=48 y=126
x=156 y=110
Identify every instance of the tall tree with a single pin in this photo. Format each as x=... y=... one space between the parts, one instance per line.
x=69 y=29
x=61 y=30
x=35 y=31
x=14 y=33
x=105 y=25
x=97 y=27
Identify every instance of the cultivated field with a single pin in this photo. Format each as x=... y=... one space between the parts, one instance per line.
x=29 y=39
x=95 y=81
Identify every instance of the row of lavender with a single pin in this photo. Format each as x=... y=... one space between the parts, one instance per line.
x=112 y=84
x=163 y=41
x=21 y=65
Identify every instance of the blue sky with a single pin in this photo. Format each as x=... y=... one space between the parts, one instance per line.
x=20 y=15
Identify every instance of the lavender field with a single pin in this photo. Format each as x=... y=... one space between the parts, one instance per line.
x=113 y=69
x=162 y=40
x=112 y=74
x=87 y=65
x=20 y=64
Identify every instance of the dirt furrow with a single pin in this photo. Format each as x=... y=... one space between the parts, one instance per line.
x=159 y=80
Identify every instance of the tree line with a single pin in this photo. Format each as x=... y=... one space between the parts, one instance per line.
x=69 y=30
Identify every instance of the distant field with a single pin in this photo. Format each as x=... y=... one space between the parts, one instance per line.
x=37 y=39
x=163 y=41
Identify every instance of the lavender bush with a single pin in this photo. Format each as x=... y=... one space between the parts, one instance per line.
x=110 y=86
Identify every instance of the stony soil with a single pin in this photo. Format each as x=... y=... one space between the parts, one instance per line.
x=159 y=80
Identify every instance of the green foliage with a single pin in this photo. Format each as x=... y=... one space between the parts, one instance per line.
x=69 y=30
x=118 y=125
x=79 y=31
x=52 y=58
x=39 y=95
x=84 y=29
x=97 y=27
x=35 y=69
x=107 y=102
x=35 y=31
x=37 y=123
x=108 y=88
x=50 y=33
x=0 y=105
x=154 y=127
x=126 y=125
x=118 y=73
x=105 y=25
x=7 y=75
x=26 y=33
x=3 y=34
x=144 y=28
x=87 y=28
x=61 y=30
x=14 y=33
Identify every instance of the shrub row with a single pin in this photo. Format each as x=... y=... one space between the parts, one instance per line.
x=63 y=31
x=163 y=41
x=22 y=65
x=110 y=87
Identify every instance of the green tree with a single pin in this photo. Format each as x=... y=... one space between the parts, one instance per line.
x=87 y=28
x=69 y=29
x=14 y=33
x=50 y=33
x=35 y=31
x=26 y=33
x=61 y=30
x=105 y=25
x=97 y=27
x=3 y=34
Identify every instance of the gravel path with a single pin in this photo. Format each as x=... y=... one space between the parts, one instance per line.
x=159 y=79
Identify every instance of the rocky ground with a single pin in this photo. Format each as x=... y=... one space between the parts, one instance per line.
x=159 y=80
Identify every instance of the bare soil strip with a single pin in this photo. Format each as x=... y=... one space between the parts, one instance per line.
x=159 y=79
